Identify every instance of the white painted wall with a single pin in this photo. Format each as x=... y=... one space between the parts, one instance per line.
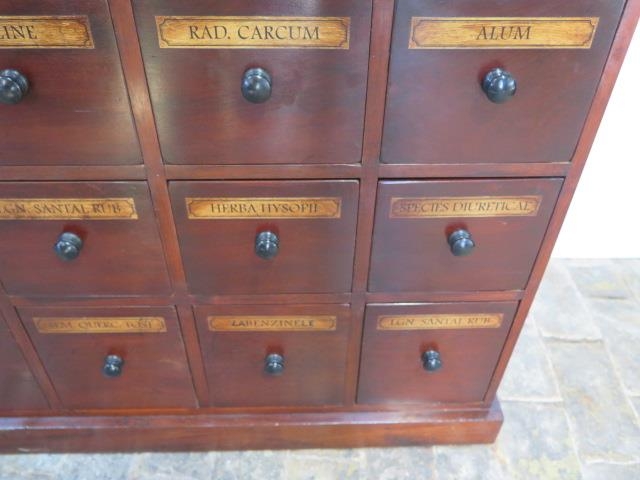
x=604 y=218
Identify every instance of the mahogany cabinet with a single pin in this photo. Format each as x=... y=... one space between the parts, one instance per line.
x=240 y=225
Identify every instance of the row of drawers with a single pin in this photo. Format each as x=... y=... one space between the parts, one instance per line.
x=311 y=101
x=272 y=237
x=258 y=356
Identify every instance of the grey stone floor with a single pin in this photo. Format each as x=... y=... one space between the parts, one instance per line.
x=571 y=400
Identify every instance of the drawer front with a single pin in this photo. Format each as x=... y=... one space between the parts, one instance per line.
x=431 y=353
x=18 y=388
x=266 y=237
x=273 y=355
x=64 y=238
x=459 y=235
x=75 y=109
x=112 y=357
x=553 y=50
x=315 y=55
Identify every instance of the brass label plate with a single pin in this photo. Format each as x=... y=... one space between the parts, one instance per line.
x=289 y=323
x=253 y=32
x=502 y=32
x=456 y=207
x=45 y=32
x=440 y=321
x=245 y=208
x=48 y=325
x=68 y=209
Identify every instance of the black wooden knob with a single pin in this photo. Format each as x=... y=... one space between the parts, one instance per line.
x=461 y=243
x=499 y=85
x=13 y=86
x=256 y=85
x=267 y=245
x=431 y=361
x=274 y=364
x=112 y=366
x=68 y=246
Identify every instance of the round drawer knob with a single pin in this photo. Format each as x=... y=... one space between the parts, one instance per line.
x=499 y=85
x=274 y=364
x=13 y=86
x=112 y=366
x=68 y=246
x=256 y=85
x=461 y=243
x=431 y=361
x=267 y=245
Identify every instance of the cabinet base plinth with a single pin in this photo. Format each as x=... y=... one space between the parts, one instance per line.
x=239 y=431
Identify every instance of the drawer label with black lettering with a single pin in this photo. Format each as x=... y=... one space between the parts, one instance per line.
x=45 y=32
x=68 y=209
x=51 y=325
x=291 y=323
x=440 y=321
x=247 y=208
x=253 y=32
x=456 y=207
x=502 y=32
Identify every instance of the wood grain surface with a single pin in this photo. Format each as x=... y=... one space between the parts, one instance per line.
x=437 y=112
x=392 y=370
x=77 y=111
x=411 y=253
x=121 y=255
x=155 y=371
x=315 y=113
x=314 y=359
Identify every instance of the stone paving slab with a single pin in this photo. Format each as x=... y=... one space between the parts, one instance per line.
x=173 y=466
x=534 y=443
x=630 y=271
x=560 y=310
x=597 y=278
x=250 y=465
x=411 y=463
x=611 y=471
x=323 y=465
x=635 y=401
x=602 y=422
x=619 y=322
x=65 y=467
x=529 y=375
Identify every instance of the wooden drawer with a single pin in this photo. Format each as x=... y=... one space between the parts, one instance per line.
x=120 y=252
x=76 y=110
x=271 y=355
x=18 y=388
x=223 y=225
x=431 y=352
x=318 y=75
x=437 y=111
x=419 y=239
x=112 y=357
